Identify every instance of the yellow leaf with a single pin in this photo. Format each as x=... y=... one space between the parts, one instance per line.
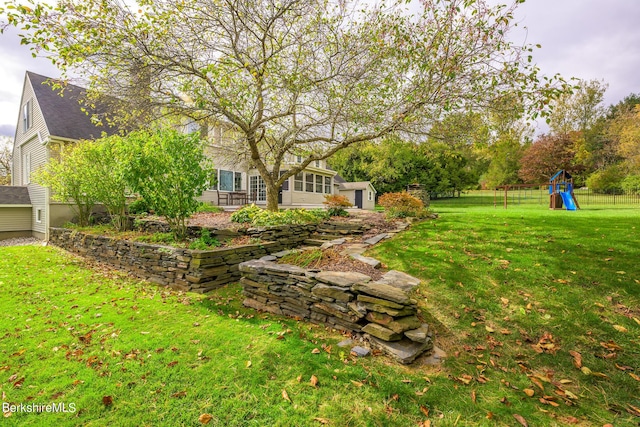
x=205 y=418
x=285 y=396
x=634 y=376
x=248 y=363
x=357 y=383
x=620 y=328
x=315 y=351
x=489 y=329
x=504 y=300
x=635 y=319
x=585 y=370
x=521 y=420
x=314 y=381
x=529 y=392
x=322 y=420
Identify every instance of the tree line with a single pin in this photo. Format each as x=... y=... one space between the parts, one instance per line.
x=599 y=145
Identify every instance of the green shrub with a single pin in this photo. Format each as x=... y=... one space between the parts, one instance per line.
x=205 y=241
x=631 y=184
x=289 y=216
x=207 y=207
x=402 y=205
x=607 y=181
x=138 y=206
x=166 y=238
x=337 y=204
x=246 y=213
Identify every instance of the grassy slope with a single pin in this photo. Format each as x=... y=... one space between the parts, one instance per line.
x=498 y=280
x=551 y=268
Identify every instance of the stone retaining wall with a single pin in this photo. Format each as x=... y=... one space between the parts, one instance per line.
x=183 y=269
x=350 y=301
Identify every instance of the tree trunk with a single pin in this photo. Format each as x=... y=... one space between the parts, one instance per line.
x=272 y=196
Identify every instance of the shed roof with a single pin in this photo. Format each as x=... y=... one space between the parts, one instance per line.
x=62 y=110
x=360 y=185
x=10 y=195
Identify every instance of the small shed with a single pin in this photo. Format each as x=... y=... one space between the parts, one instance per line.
x=361 y=194
x=15 y=212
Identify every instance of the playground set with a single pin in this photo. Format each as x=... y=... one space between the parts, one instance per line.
x=561 y=191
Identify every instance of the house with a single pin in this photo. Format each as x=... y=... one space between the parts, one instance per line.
x=49 y=118
x=52 y=116
x=361 y=194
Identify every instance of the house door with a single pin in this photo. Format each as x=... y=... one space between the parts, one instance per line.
x=359 y=199
x=257 y=189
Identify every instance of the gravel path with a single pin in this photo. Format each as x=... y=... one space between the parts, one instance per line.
x=22 y=241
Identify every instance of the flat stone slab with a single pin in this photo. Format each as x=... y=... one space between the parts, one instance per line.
x=355 y=248
x=342 y=278
x=360 y=351
x=284 y=253
x=404 y=351
x=381 y=332
x=399 y=280
x=420 y=334
x=327 y=245
x=435 y=358
x=338 y=293
x=268 y=258
x=383 y=291
x=338 y=241
x=403 y=324
x=367 y=260
x=375 y=239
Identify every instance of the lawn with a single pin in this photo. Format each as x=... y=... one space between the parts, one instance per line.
x=519 y=298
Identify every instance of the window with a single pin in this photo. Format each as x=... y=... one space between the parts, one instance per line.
x=39 y=215
x=297 y=182
x=257 y=188
x=317 y=163
x=237 y=181
x=226 y=180
x=193 y=127
x=213 y=181
x=285 y=184
x=26 y=116
x=327 y=185
x=26 y=169
x=370 y=195
x=308 y=181
x=298 y=159
x=318 y=183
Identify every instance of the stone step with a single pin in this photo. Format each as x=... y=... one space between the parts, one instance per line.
x=326 y=236
x=314 y=242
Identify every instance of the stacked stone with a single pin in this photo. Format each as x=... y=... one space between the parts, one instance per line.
x=347 y=301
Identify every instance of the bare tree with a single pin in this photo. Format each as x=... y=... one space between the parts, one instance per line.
x=293 y=77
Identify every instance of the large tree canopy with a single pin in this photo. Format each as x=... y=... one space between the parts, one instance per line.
x=293 y=77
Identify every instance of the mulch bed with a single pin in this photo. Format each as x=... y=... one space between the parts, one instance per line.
x=333 y=260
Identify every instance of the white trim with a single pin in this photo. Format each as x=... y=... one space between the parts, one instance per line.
x=16 y=206
x=39 y=213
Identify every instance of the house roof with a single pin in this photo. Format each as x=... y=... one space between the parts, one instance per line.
x=360 y=185
x=10 y=195
x=338 y=179
x=62 y=111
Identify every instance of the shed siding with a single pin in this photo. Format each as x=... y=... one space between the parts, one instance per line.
x=15 y=218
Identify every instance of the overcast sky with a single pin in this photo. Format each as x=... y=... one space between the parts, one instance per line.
x=587 y=39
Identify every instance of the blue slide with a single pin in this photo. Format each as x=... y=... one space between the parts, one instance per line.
x=568 y=200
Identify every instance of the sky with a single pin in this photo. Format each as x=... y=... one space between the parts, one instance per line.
x=586 y=39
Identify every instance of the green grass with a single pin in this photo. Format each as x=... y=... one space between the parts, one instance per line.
x=73 y=335
x=497 y=282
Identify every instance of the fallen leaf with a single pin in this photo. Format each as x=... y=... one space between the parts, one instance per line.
x=314 y=381
x=182 y=393
x=424 y=410
x=521 y=420
x=529 y=392
x=489 y=415
x=315 y=351
x=107 y=400
x=504 y=300
x=620 y=328
x=172 y=364
x=489 y=329
x=635 y=319
x=473 y=396
x=248 y=364
x=571 y=420
x=610 y=345
x=426 y=423
x=322 y=420
x=285 y=396
x=299 y=379
x=18 y=383
x=548 y=402
x=537 y=382
x=634 y=376
x=585 y=370
x=357 y=383
x=633 y=410
x=205 y=418
x=505 y=401
x=577 y=359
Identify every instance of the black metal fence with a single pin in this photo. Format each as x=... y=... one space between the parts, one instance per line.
x=538 y=196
